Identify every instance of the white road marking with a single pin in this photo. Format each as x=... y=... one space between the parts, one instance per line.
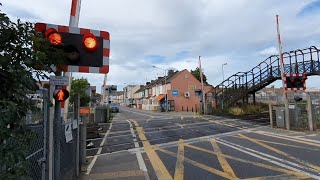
x=141 y=162
x=177 y=124
x=310 y=135
x=255 y=154
x=293 y=137
x=273 y=157
x=205 y=138
x=99 y=151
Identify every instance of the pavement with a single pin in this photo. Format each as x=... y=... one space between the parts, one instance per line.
x=152 y=145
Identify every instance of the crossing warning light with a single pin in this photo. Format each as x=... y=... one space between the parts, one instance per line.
x=53 y=36
x=90 y=42
x=61 y=95
x=83 y=50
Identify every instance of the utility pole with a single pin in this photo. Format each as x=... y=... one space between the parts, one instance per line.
x=283 y=76
x=104 y=89
x=202 y=88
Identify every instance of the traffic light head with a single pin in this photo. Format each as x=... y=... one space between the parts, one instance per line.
x=84 y=50
x=61 y=95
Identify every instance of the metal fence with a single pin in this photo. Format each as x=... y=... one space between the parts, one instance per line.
x=35 y=161
x=65 y=160
x=315 y=108
x=68 y=154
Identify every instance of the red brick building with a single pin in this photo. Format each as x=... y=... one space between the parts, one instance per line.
x=181 y=88
x=182 y=91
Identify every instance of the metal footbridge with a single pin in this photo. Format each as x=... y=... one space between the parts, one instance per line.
x=240 y=85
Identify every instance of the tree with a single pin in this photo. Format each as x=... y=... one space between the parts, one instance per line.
x=79 y=86
x=18 y=59
x=196 y=74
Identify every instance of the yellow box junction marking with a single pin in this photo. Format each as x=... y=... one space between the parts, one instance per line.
x=222 y=160
x=158 y=166
x=289 y=139
x=280 y=152
x=199 y=165
x=179 y=170
x=250 y=162
x=117 y=174
x=277 y=143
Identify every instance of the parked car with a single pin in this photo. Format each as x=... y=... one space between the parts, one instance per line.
x=114 y=107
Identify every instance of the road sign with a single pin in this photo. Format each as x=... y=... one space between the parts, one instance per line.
x=59 y=80
x=85 y=110
x=68 y=132
x=175 y=92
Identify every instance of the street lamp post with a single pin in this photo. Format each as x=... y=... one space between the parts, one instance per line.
x=165 y=87
x=222 y=84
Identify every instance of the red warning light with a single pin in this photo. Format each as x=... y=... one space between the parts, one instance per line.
x=60 y=95
x=53 y=36
x=90 y=42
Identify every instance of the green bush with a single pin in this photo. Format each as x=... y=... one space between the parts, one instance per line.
x=244 y=109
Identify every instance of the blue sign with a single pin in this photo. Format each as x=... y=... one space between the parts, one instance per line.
x=175 y=92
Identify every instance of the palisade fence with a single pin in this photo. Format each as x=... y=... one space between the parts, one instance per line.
x=37 y=157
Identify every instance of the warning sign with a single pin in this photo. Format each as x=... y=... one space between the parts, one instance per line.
x=85 y=110
x=68 y=132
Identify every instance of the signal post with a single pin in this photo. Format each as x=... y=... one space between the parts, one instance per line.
x=85 y=51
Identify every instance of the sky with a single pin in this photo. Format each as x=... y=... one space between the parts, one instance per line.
x=174 y=33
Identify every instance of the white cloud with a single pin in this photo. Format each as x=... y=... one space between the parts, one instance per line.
x=220 y=31
x=269 y=51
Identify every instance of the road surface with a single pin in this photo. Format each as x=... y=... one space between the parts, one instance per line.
x=149 y=145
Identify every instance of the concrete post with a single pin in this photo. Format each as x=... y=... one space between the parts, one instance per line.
x=309 y=111
x=270 y=114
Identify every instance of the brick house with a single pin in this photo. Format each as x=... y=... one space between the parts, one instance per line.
x=181 y=87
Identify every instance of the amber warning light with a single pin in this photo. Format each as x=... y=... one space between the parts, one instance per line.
x=90 y=42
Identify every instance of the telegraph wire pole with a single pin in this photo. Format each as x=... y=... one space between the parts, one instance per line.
x=202 y=88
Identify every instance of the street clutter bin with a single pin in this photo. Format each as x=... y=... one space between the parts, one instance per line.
x=100 y=115
x=280 y=117
x=294 y=114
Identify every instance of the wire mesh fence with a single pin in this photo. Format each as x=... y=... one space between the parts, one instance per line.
x=68 y=153
x=315 y=107
x=36 y=153
x=65 y=145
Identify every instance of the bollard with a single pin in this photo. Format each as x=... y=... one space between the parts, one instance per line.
x=182 y=108
x=187 y=109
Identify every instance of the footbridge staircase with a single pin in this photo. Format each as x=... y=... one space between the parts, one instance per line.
x=240 y=85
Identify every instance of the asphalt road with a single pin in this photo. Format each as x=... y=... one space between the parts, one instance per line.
x=149 y=145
